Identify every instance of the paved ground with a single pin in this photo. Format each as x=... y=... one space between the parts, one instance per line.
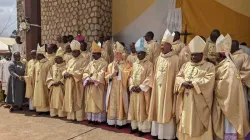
x=26 y=126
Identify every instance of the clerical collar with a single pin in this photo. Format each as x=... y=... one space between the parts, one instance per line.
x=151 y=41
x=59 y=65
x=77 y=57
x=143 y=60
x=177 y=42
x=169 y=54
x=199 y=63
x=43 y=60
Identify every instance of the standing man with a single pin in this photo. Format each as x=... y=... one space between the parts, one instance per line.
x=94 y=83
x=178 y=45
x=64 y=42
x=19 y=46
x=4 y=73
x=108 y=48
x=16 y=84
x=70 y=38
x=153 y=48
x=55 y=84
x=242 y=62
x=68 y=54
x=194 y=86
x=210 y=50
x=51 y=53
x=41 y=92
x=132 y=58
x=85 y=53
x=117 y=96
x=140 y=84
x=161 y=110
x=229 y=107
x=30 y=79
x=74 y=98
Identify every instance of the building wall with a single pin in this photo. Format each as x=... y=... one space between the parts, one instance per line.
x=20 y=17
x=66 y=17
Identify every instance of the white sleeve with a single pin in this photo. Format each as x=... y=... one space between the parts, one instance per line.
x=1 y=70
x=144 y=88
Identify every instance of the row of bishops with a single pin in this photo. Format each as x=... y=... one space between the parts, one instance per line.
x=155 y=89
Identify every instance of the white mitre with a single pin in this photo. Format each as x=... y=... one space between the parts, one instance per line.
x=224 y=44
x=168 y=37
x=197 y=45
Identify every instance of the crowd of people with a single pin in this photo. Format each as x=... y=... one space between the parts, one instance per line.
x=197 y=91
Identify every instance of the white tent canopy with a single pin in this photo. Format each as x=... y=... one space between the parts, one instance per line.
x=7 y=40
x=3 y=47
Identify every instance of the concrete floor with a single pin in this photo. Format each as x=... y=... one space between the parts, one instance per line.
x=25 y=125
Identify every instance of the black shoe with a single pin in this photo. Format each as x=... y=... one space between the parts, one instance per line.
x=119 y=127
x=111 y=126
x=39 y=113
x=20 y=108
x=96 y=123
x=141 y=134
x=132 y=131
x=155 y=137
x=11 y=109
x=47 y=113
x=90 y=122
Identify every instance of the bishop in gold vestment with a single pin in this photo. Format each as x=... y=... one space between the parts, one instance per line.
x=68 y=54
x=55 y=84
x=86 y=55
x=73 y=102
x=132 y=58
x=117 y=96
x=30 y=79
x=51 y=53
x=94 y=86
x=153 y=48
x=177 y=44
x=140 y=84
x=184 y=55
x=194 y=88
x=242 y=62
x=230 y=117
x=41 y=92
x=161 y=110
x=210 y=49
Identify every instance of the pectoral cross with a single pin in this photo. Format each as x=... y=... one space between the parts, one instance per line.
x=186 y=34
x=191 y=74
x=162 y=70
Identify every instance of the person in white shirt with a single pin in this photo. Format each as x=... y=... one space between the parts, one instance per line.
x=4 y=72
